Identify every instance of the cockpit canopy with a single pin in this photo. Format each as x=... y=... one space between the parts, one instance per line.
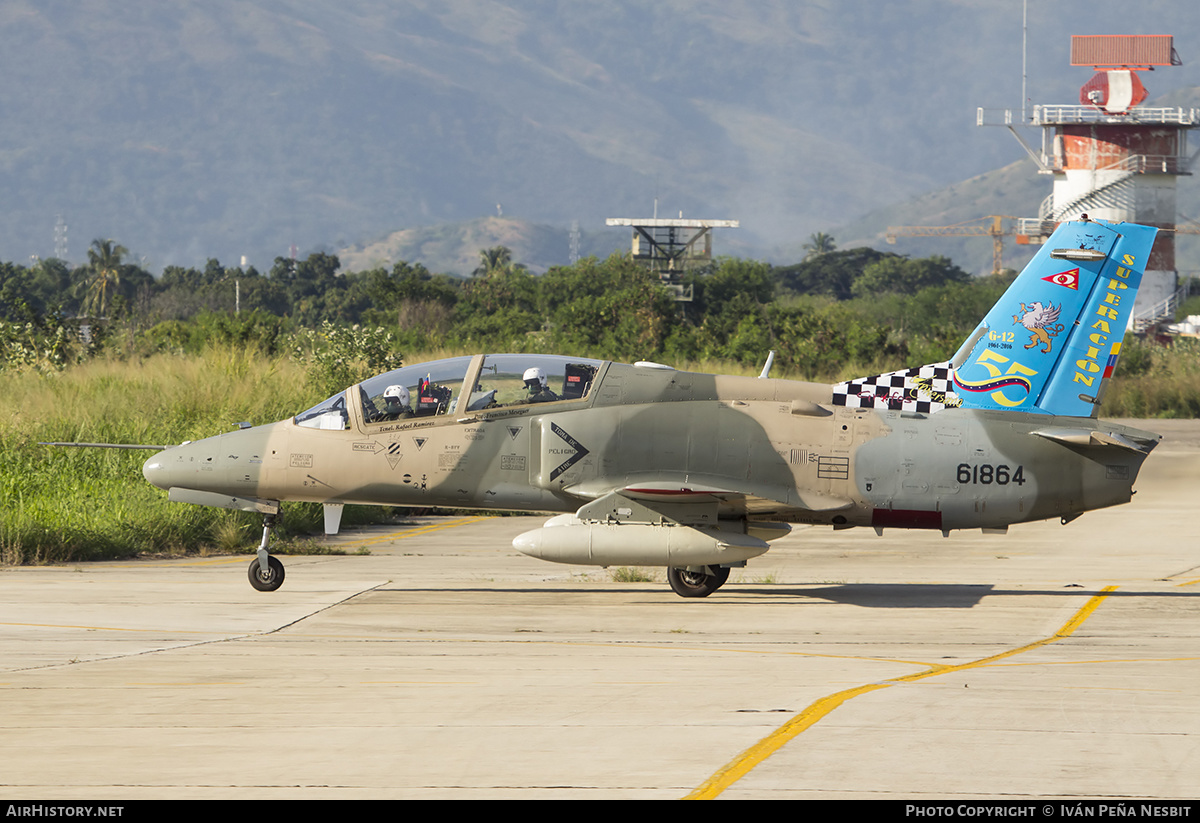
x=437 y=388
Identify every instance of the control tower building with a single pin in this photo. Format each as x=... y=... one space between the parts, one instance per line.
x=1113 y=159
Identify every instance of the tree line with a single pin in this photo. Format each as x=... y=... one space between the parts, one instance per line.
x=835 y=310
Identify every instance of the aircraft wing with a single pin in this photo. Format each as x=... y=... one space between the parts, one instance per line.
x=695 y=503
x=732 y=499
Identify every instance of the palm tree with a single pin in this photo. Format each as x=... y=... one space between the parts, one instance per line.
x=495 y=260
x=104 y=274
x=818 y=244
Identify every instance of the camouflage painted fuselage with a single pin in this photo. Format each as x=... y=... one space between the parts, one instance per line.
x=766 y=449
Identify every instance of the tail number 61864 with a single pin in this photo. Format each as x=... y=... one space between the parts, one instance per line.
x=987 y=474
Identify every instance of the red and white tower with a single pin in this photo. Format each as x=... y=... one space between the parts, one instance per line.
x=1114 y=159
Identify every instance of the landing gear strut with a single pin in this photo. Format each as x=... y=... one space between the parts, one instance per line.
x=697 y=582
x=266 y=572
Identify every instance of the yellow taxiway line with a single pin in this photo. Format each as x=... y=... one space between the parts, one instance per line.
x=413 y=532
x=741 y=765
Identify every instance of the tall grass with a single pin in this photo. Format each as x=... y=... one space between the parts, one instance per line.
x=1155 y=380
x=60 y=504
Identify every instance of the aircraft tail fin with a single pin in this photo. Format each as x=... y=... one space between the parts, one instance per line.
x=1050 y=343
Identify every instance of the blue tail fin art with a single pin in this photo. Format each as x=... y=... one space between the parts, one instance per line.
x=1050 y=343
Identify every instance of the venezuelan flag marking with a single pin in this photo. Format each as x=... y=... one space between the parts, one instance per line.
x=1112 y=360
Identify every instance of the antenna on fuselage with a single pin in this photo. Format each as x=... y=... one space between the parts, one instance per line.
x=767 y=366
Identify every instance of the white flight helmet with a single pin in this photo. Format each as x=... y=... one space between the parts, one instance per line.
x=400 y=394
x=534 y=375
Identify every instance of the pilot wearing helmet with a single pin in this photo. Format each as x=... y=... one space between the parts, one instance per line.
x=535 y=383
x=397 y=404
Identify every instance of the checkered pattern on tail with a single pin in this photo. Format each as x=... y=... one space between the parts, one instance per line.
x=925 y=389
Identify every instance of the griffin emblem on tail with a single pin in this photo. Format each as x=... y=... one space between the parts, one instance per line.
x=1040 y=320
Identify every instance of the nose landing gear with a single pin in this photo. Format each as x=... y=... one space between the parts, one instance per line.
x=266 y=572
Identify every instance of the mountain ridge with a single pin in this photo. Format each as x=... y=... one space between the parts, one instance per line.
x=230 y=128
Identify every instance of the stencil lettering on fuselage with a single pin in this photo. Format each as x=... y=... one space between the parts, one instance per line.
x=580 y=451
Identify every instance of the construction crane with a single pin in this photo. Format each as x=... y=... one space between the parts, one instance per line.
x=991 y=226
x=1189 y=227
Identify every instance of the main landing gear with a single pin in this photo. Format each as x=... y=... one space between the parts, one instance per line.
x=697 y=581
x=266 y=572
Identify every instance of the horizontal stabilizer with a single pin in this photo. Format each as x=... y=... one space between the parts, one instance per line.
x=1093 y=438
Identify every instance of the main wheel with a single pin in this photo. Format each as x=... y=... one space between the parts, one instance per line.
x=270 y=581
x=687 y=583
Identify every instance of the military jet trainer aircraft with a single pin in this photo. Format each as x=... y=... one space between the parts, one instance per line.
x=697 y=472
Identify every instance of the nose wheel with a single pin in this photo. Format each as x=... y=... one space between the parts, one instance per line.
x=266 y=572
x=267 y=581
